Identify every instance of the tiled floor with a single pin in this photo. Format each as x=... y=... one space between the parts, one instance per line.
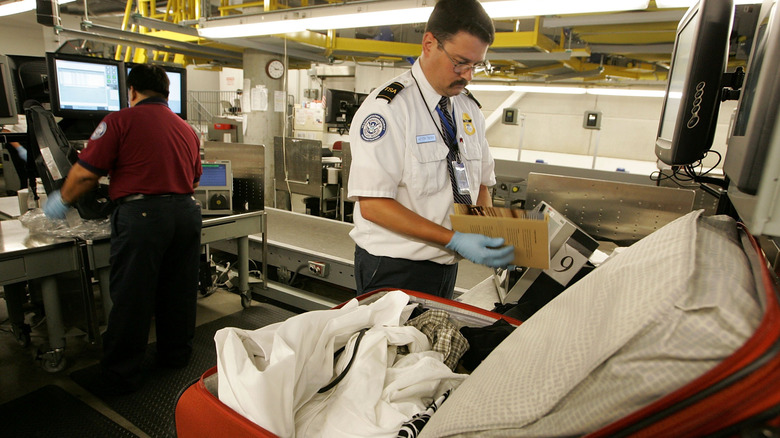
x=21 y=374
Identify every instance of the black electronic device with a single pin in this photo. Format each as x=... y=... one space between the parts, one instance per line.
x=85 y=87
x=757 y=109
x=30 y=80
x=177 y=90
x=693 y=91
x=341 y=106
x=8 y=106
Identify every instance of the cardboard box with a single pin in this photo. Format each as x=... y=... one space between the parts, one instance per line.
x=526 y=231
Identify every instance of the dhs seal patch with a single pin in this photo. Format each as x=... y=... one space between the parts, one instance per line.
x=373 y=127
x=99 y=131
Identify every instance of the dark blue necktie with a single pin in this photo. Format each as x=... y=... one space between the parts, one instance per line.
x=448 y=131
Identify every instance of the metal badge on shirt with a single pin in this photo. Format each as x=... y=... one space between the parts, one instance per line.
x=461 y=177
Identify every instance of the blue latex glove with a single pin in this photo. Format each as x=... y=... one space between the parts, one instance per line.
x=482 y=249
x=54 y=207
x=22 y=152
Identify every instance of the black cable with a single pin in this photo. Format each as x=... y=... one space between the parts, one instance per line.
x=338 y=378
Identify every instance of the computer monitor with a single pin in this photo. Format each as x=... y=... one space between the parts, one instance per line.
x=30 y=79
x=340 y=106
x=215 y=189
x=84 y=87
x=757 y=108
x=8 y=107
x=177 y=90
x=693 y=90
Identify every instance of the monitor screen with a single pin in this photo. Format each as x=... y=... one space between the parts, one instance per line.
x=177 y=89
x=8 y=108
x=85 y=87
x=693 y=90
x=757 y=108
x=214 y=175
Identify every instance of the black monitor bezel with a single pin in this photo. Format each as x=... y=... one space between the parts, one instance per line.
x=696 y=118
x=180 y=70
x=8 y=94
x=331 y=115
x=54 y=97
x=747 y=150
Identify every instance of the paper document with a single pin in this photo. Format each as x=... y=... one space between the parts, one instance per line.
x=526 y=231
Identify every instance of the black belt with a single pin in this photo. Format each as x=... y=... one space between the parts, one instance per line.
x=139 y=196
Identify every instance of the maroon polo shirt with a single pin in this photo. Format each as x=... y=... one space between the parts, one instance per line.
x=144 y=149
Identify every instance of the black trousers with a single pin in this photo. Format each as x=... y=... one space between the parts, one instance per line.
x=155 y=249
x=373 y=272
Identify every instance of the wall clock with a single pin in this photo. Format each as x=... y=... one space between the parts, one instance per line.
x=275 y=69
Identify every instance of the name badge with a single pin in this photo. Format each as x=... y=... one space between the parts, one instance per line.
x=461 y=178
x=428 y=138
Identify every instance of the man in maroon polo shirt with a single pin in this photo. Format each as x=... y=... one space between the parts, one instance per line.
x=152 y=158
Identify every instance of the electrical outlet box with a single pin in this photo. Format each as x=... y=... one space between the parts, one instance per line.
x=319 y=269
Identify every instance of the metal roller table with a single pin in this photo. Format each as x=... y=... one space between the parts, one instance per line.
x=234 y=228
x=24 y=257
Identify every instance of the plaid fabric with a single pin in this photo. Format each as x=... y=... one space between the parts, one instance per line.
x=443 y=334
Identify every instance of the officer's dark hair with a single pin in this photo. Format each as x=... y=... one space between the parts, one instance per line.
x=452 y=16
x=149 y=79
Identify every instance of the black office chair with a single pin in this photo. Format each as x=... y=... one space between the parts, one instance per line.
x=53 y=156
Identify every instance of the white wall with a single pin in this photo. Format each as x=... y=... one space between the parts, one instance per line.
x=202 y=80
x=553 y=123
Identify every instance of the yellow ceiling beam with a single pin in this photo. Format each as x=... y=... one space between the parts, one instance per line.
x=381 y=48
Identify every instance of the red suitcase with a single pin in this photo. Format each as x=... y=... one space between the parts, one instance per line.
x=738 y=395
x=199 y=413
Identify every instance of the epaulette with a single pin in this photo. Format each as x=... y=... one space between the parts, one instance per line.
x=471 y=96
x=390 y=91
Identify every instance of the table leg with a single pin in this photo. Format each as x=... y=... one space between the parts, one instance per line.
x=51 y=304
x=243 y=270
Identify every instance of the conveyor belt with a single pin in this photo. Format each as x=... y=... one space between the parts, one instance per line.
x=295 y=238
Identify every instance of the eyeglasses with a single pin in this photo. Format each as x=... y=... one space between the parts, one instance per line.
x=462 y=67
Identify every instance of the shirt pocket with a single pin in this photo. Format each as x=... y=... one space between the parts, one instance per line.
x=428 y=168
x=471 y=152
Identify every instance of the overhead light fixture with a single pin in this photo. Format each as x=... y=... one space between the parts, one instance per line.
x=546 y=89
x=391 y=12
x=663 y=4
x=18 y=7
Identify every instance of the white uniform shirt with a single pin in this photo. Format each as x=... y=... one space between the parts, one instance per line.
x=398 y=152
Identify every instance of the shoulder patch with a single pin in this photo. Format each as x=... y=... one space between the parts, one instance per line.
x=471 y=96
x=99 y=131
x=390 y=91
x=373 y=128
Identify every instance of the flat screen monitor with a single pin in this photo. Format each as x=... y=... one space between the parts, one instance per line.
x=757 y=109
x=31 y=80
x=693 y=90
x=84 y=87
x=177 y=90
x=340 y=106
x=214 y=174
x=8 y=107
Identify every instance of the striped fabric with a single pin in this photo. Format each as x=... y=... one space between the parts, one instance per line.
x=448 y=128
x=648 y=321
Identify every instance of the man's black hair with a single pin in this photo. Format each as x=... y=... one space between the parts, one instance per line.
x=149 y=79
x=452 y=16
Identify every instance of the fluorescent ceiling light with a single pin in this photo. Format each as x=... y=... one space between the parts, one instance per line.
x=525 y=8
x=385 y=13
x=21 y=6
x=663 y=4
x=544 y=89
